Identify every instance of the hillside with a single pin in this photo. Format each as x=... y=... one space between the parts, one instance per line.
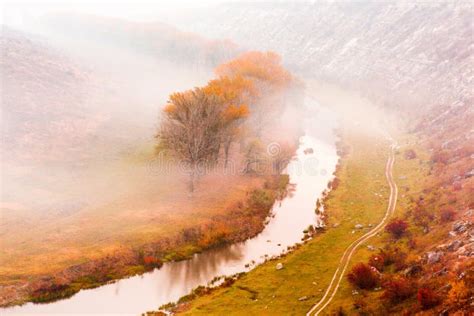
x=415 y=62
x=403 y=54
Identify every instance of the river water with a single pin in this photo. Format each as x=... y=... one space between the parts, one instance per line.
x=310 y=174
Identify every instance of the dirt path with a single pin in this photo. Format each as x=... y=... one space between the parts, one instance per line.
x=346 y=257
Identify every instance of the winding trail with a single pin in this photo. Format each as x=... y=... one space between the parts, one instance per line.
x=346 y=257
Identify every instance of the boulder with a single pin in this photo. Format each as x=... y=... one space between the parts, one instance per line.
x=303 y=298
x=460 y=226
x=433 y=257
x=359 y=226
x=279 y=266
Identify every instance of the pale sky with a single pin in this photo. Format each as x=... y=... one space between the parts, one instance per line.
x=15 y=12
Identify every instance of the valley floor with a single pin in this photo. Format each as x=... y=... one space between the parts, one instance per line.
x=360 y=198
x=67 y=251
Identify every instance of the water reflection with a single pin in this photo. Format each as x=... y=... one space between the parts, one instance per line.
x=309 y=172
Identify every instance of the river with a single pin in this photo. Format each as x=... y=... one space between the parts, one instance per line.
x=310 y=174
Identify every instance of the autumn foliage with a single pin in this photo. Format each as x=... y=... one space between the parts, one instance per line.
x=447 y=214
x=262 y=67
x=201 y=125
x=397 y=228
x=152 y=262
x=397 y=289
x=427 y=298
x=363 y=276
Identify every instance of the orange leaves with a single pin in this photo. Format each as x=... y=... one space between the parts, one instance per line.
x=235 y=112
x=234 y=90
x=260 y=66
x=169 y=108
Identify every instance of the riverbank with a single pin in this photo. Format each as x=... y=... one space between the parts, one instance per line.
x=241 y=216
x=358 y=199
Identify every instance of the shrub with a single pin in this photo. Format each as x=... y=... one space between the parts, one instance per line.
x=363 y=276
x=377 y=261
x=410 y=154
x=427 y=298
x=397 y=228
x=152 y=262
x=394 y=256
x=397 y=289
x=447 y=214
x=459 y=294
x=422 y=217
x=260 y=200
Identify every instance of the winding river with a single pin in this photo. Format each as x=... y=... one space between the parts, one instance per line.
x=310 y=173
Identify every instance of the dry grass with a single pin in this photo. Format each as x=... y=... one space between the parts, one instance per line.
x=145 y=206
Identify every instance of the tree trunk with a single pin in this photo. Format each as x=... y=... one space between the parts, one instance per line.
x=226 y=152
x=192 y=180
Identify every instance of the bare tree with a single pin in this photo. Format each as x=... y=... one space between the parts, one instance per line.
x=191 y=130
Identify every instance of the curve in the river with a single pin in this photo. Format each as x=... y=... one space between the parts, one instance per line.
x=132 y=296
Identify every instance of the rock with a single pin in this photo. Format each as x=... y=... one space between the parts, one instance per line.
x=352 y=231
x=440 y=272
x=359 y=226
x=455 y=245
x=355 y=292
x=469 y=174
x=303 y=298
x=371 y=248
x=452 y=234
x=279 y=266
x=433 y=257
x=460 y=226
x=377 y=289
x=335 y=225
x=412 y=270
x=370 y=225
x=308 y=151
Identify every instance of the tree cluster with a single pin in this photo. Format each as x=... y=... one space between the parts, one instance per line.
x=199 y=126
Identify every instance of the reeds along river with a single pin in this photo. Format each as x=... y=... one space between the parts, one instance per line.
x=310 y=173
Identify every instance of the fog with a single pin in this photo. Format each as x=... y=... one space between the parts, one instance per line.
x=80 y=113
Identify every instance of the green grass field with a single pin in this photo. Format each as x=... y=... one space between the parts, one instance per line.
x=361 y=198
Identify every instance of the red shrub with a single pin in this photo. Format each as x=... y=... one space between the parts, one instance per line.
x=363 y=276
x=427 y=298
x=397 y=228
x=397 y=289
x=447 y=214
x=152 y=262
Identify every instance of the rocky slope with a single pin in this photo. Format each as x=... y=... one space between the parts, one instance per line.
x=409 y=55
